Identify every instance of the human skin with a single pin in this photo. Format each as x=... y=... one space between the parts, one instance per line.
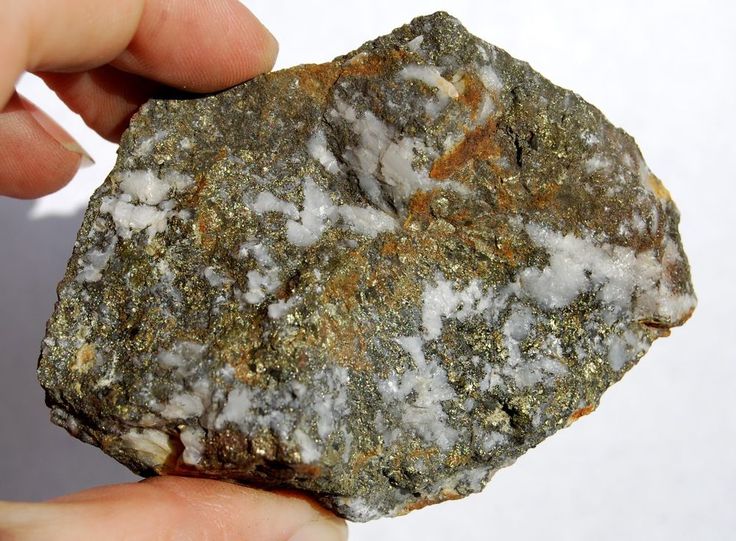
x=104 y=60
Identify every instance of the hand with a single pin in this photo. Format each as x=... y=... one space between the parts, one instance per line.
x=104 y=59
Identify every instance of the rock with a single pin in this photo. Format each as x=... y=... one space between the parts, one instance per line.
x=377 y=280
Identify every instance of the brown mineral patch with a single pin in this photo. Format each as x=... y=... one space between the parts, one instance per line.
x=419 y=208
x=389 y=248
x=472 y=96
x=658 y=188
x=343 y=286
x=85 y=358
x=360 y=460
x=423 y=453
x=478 y=144
x=659 y=328
x=344 y=341
x=207 y=227
x=308 y=470
x=200 y=183
x=369 y=65
x=582 y=412
x=455 y=459
x=446 y=494
x=546 y=196
x=317 y=79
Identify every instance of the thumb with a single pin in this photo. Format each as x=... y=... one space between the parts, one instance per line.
x=175 y=509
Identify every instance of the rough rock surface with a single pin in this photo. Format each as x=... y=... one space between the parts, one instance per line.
x=378 y=280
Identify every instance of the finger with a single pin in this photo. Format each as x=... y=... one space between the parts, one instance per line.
x=37 y=156
x=172 y=508
x=200 y=45
x=104 y=97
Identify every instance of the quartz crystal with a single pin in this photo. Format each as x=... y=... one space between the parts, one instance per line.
x=377 y=280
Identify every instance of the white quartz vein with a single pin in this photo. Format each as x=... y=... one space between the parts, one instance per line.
x=304 y=227
x=383 y=161
x=427 y=380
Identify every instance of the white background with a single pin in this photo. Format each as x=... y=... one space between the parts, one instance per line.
x=657 y=459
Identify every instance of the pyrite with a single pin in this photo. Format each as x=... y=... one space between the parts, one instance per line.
x=377 y=280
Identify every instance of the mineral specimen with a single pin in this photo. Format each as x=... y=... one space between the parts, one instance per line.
x=377 y=280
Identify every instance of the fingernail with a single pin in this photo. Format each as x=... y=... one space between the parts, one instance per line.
x=321 y=530
x=57 y=132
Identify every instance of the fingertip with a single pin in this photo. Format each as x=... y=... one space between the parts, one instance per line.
x=199 y=45
x=38 y=156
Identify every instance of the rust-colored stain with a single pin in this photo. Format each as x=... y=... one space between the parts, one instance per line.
x=478 y=144
x=546 y=196
x=369 y=65
x=317 y=79
x=207 y=233
x=472 y=96
x=460 y=218
x=582 y=412
x=389 y=248
x=361 y=459
x=419 y=208
x=310 y=470
x=446 y=494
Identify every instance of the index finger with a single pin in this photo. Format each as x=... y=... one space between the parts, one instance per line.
x=198 y=45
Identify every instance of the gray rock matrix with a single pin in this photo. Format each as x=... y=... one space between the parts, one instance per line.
x=377 y=280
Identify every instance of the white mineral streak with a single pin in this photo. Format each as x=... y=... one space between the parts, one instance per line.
x=333 y=402
x=389 y=436
x=491 y=440
x=150 y=192
x=183 y=406
x=131 y=218
x=308 y=449
x=517 y=327
x=193 y=441
x=358 y=508
x=474 y=479
x=265 y=279
x=152 y=446
x=215 y=279
x=305 y=227
x=317 y=211
x=183 y=356
x=427 y=382
x=488 y=107
x=291 y=411
x=592 y=139
x=383 y=161
x=432 y=77
x=490 y=78
x=616 y=272
x=597 y=163
x=94 y=262
x=144 y=186
x=267 y=202
x=442 y=301
x=317 y=147
x=146 y=146
x=415 y=45
x=279 y=308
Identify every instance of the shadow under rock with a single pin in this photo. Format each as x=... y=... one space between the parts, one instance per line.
x=38 y=460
